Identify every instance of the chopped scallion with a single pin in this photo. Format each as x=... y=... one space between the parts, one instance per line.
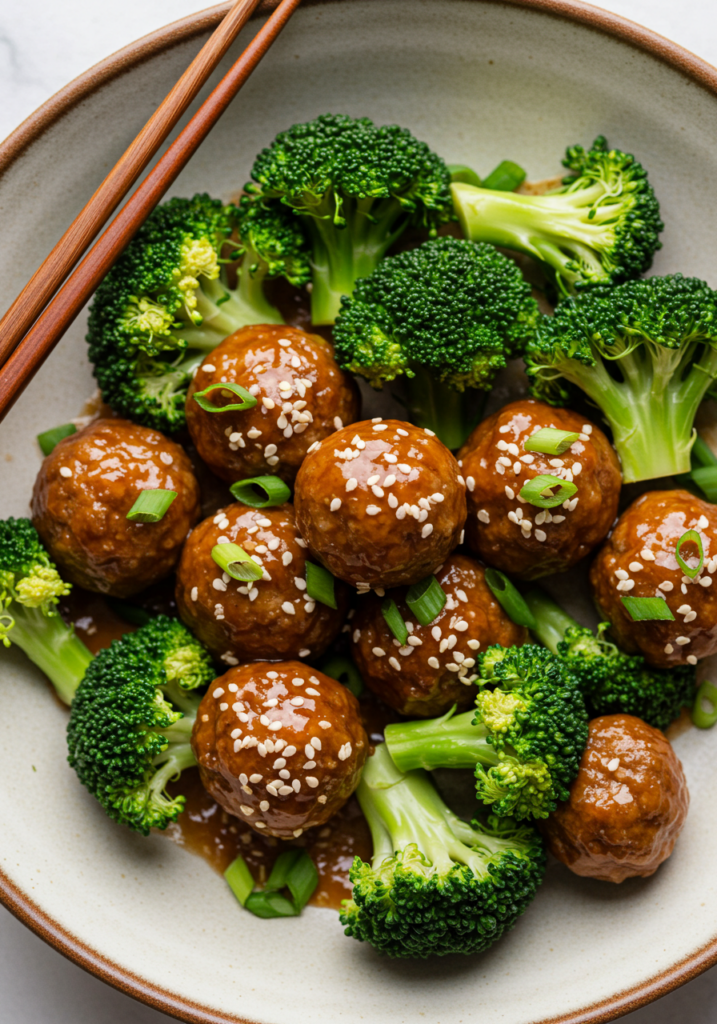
x=320 y=585
x=50 y=438
x=510 y=599
x=506 y=177
x=151 y=506
x=247 y=400
x=704 y=710
x=464 y=174
x=426 y=600
x=269 y=904
x=295 y=871
x=547 y=491
x=236 y=562
x=239 y=878
x=706 y=479
x=692 y=536
x=648 y=609
x=261 y=491
x=394 y=620
x=344 y=671
x=550 y=441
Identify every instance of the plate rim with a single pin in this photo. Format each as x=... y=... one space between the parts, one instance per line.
x=26 y=910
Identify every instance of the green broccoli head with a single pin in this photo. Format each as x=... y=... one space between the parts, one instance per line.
x=645 y=353
x=30 y=588
x=166 y=302
x=131 y=722
x=436 y=885
x=617 y=683
x=601 y=226
x=524 y=741
x=356 y=187
x=448 y=313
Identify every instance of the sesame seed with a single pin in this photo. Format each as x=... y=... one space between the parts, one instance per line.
x=483 y=516
x=381 y=426
x=263 y=522
x=706 y=581
x=429 y=432
x=324 y=724
x=335 y=505
x=264 y=805
x=684 y=609
x=372 y=510
x=702 y=523
x=312 y=781
x=322 y=799
x=403 y=467
x=284 y=791
x=351 y=484
x=614 y=764
x=246 y=810
x=682 y=640
x=401 y=513
x=691 y=659
x=691 y=616
x=304 y=652
x=470 y=483
x=504 y=461
x=427 y=530
x=576 y=468
x=394 y=663
x=625 y=585
x=635 y=566
x=379 y=652
x=312 y=692
x=666 y=586
x=65 y=471
x=275 y=726
x=474 y=644
x=284 y=774
x=540 y=535
x=268 y=403
x=527 y=459
x=502 y=445
x=255 y=778
x=621 y=574
x=452 y=667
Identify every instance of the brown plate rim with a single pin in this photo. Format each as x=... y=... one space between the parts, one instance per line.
x=18 y=903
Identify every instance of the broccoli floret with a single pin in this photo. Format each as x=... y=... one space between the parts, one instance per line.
x=445 y=317
x=30 y=588
x=612 y=682
x=435 y=885
x=131 y=722
x=524 y=741
x=645 y=352
x=601 y=227
x=166 y=301
x=355 y=187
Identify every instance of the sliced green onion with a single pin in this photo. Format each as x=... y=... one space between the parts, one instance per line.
x=702 y=454
x=511 y=600
x=694 y=537
x=466 y=175
x=345 y=672
x=506 y=177
x=540 y=491
x=236 y=562
x=131 y=613
x=706 y=479
x=320 y=585
x=426 y=600
x=151 y=505
x=704 y=710
x=394 y=621
x=261 y=491
x=550 y=441
x=648 y=609
x=295 y=871
x=247 y=400
x=239 y=879
x=50 y=438
x=268 y=904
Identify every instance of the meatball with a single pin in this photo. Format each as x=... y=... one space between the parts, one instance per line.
x=280 y=745
x=627 y=805
x=381 y=503
x=520 y=538
x=639 y=560
x=302 y=397
x=272 y=618
x=82 y=495
x=435 y=668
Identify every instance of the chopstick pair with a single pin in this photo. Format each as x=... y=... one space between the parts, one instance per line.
x=27 y=333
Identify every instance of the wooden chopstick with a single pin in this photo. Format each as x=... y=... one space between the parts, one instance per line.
x=31 y=301
x=67 y=303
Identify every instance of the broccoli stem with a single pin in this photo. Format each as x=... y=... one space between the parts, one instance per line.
x=450 y=414
x=552 y=621
x=52 y=646
x=405 y=810
x=452 y=741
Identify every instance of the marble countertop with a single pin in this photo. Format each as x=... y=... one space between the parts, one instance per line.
x=43 y=45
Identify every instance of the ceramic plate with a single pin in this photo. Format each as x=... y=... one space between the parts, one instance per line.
x=479 y=81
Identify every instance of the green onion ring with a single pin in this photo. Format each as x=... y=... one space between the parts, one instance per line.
x=510 y=599
x=426 y=600
x=275 y=490
x=50 y=438
x=344 y=671
x=550 y=441
x=247 y=400
x=506 y=177
x=236 y=562
x=704 y=710
x=320 y=585
x=151 y=505
x=691 y=535
x=239 y=879
x=539 y=491
x=648 y=609
x=394 y=620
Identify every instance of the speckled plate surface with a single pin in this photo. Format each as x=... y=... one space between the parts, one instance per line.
x=479 y=81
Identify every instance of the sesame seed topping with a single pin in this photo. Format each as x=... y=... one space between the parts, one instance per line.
x=540 y=535
x=625 y=585
x=268 y=403
x=502 y=445
x=614 y=764
x=483 y=516
x=706 y=581
x=372 y=510
x=246 y=810
x=682 y=640
x=304 y=652
x=666 y=586
x=702 y=523
x=691 y=659
x=474 y=644
x=312 y=692
x=470 y=483
x=65 y=471
x=576 y=468
x=517 y=468
x=335 y=505
x=312 y=781
x=394 y=663
x=427 y=530
x=324 y=724
x=635 y=566
x=275 y=726
x=288 y=607
x=621 y=574
x=351 y=484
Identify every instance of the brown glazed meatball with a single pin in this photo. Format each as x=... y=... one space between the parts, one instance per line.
x=302 y=397
x=82 y=495
x=522 y=539
x=627 y=805
x=435 y=668
x=272 y=618
x=280 y=745
x=639 y=560
x=381 y=503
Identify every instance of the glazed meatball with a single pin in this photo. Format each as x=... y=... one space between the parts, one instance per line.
x=639 y=560
x=82 y=495
x=302 y=397
x=381 y=503
x=272 y=618
x=515 y=536
x=280 y=745
x=627 y=805
x=435 y=668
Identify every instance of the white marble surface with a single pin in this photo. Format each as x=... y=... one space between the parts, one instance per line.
x=43 y=45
